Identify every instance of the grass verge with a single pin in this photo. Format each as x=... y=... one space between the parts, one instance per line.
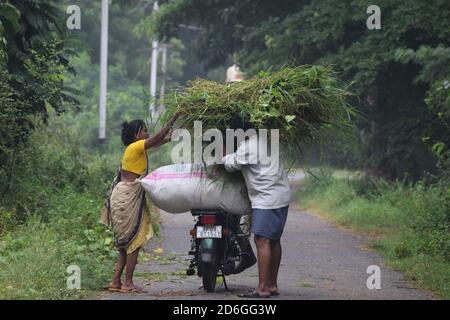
x=34 y=257
x=409 y=225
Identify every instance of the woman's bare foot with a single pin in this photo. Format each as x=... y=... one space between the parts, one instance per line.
x=114 y=285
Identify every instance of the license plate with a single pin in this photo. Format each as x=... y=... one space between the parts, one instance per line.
x=209 y=232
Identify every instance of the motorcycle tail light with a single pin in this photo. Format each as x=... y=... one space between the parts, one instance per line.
x=208 y=219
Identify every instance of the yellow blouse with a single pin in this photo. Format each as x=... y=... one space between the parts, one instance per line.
x=134 y=158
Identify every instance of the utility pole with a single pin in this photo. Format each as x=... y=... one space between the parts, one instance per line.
x=103 y=70
x=162 y=91
x=152 y=107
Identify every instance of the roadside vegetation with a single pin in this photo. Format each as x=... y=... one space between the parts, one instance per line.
x=49 y=218
x=409 y=224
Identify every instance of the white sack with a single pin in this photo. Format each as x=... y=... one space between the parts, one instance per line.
x=177 y=188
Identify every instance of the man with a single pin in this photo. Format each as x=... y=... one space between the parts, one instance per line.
x=269 y=193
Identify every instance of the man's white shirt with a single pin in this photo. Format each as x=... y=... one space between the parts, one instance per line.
x=267 y=183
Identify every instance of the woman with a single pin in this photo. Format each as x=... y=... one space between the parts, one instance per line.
x=126 y=207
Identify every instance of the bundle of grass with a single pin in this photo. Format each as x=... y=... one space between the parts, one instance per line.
x=300 y=101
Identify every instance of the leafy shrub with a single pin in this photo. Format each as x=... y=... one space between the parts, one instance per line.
x=51 y=160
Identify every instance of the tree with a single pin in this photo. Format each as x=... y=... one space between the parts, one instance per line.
x=392 y=90
x=33 y=63
x=129 y=53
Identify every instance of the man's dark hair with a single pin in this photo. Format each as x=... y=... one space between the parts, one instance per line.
x=238 y=122
x=130 y=130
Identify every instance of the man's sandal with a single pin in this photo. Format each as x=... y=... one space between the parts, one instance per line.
x=254 y=294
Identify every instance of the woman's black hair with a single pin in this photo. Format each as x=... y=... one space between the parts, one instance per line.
x=130 y=130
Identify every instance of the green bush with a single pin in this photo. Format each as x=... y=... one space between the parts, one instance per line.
x=49 y=161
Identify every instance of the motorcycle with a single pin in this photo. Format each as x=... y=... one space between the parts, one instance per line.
x=217 y=243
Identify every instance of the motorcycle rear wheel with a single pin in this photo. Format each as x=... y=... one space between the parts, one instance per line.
x=209 y=276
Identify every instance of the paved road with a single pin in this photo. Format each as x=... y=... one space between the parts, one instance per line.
x=319 y=261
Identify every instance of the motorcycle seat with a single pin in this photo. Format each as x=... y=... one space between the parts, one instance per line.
x=197 y=212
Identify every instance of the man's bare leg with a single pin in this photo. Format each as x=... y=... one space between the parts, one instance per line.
x=274 y=266
x=264 y=253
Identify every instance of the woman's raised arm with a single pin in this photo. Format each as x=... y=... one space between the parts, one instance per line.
x=156 y=140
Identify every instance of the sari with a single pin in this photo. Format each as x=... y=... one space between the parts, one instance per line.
x=127 y=213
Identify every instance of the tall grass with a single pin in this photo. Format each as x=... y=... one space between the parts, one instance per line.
x=410 y=225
